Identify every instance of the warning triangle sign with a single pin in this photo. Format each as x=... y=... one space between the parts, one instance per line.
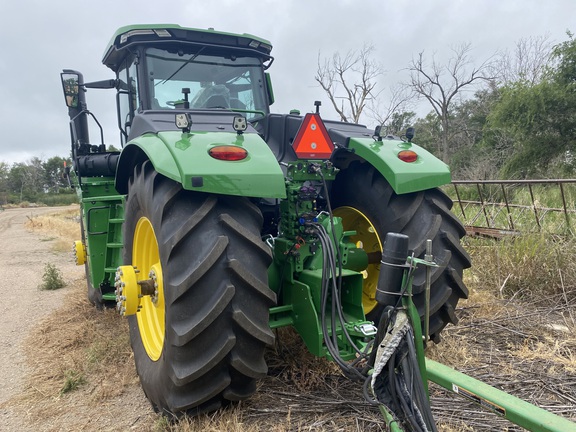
x=312 y=140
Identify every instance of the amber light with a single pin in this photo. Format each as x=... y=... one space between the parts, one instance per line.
x=228 y=153
x=407 y=156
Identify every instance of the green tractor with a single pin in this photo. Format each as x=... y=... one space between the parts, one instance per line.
x=220 y=221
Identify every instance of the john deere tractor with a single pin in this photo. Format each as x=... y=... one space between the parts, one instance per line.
x=220 y=221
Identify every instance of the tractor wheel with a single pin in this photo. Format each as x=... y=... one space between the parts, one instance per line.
x=367 y=204
x=199 y=340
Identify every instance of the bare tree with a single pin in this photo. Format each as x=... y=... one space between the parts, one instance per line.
x=384 y=111
x=528 y=61
x=350 y=81
x=441 y=84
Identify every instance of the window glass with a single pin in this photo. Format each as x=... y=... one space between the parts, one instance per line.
x=128 y=101
x=123 y=100
x=215 y=82
x=133 y=87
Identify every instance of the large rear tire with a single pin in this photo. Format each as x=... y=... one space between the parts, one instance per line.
x=199 y=341
x=367 y=203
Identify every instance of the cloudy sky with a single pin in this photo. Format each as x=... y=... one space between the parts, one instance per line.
x=40 y=38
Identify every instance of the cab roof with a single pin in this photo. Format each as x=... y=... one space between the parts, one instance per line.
x=157 y=34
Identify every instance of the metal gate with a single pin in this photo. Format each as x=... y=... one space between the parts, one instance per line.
x=497 y=208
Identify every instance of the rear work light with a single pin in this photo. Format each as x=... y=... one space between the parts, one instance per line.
x=228 y=153
x=407 y=156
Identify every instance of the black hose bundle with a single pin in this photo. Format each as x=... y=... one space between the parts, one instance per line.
x=396 y=382
x=330 y=290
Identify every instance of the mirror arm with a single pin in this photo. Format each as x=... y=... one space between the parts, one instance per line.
x=104 y=84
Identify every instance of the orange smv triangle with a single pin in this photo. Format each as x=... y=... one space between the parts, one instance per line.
x=312 y=140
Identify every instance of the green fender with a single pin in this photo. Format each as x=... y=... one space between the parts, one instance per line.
x=425 y=173
x=184 y=158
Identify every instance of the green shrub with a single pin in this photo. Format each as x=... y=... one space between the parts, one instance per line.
x=52 y=200
x=72 y=380
x=52 y=278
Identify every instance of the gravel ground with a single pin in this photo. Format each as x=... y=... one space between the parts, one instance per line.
x=23 y=256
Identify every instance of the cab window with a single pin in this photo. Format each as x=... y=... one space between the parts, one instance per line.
x=215 y=82
x=127 y=97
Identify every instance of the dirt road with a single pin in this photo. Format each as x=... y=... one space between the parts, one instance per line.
x=23 y=256
x=28 y=314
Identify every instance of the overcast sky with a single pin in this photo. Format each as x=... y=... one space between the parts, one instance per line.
x=41 y=37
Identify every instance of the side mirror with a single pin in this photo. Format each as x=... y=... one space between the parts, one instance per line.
x=71 y=88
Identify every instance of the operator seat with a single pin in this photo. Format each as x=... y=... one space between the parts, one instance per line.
x=216 y=101
x=214 y=96
x=237 y=104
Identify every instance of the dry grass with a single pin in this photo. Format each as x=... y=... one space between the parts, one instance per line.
x=535 y=267
x=81 y=361
x=517 y=332
x=61 y=226
x=300 y=393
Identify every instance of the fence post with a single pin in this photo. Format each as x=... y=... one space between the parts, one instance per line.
x=510 y=221
x=534 y=207
x=564 y=205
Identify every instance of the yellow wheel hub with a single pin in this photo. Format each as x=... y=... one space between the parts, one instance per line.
x=79 y=252
x=140 y=289
x=367 y=238
x=127 y=291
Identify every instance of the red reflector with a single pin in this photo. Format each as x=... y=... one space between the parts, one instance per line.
x=228 y=153
x=312 y=140
x=407 y=156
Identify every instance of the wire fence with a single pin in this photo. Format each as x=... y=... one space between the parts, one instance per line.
x=498 y=208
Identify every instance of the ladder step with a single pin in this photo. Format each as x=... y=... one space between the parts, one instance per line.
x=115 y=245
x=116 y=220
x=103 y=198
x=109 y=296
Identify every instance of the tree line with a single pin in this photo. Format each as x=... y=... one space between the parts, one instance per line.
x=36 y=180
x=511 y=116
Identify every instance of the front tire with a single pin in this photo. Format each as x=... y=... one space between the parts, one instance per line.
x=368 y=204
x=199 y=341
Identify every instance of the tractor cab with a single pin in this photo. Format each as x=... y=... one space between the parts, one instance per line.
x=162 y=69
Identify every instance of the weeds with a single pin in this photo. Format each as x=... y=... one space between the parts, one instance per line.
x=532 y=267
x=162 y=424
x=72 y=380
x=52 y=278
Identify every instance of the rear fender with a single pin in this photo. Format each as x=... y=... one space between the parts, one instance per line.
x=184 y=158
x=426 y=172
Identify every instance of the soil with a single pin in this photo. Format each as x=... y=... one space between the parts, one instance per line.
x=22 y=259
x=23 y=256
